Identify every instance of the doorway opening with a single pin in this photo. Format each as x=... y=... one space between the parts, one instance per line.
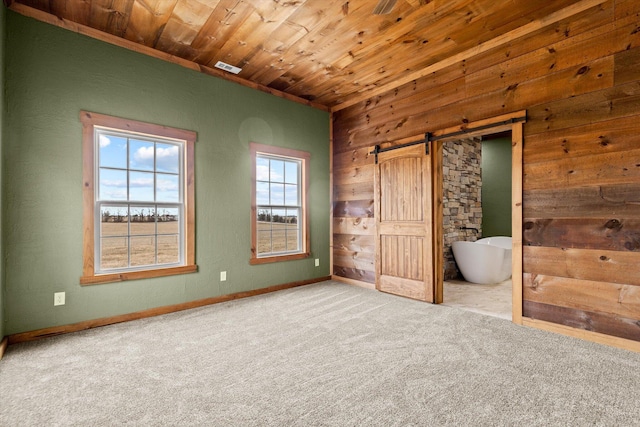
x=477 y=205
x=465 y=212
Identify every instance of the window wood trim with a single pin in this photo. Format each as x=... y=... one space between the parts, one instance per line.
x=89 y=120
x=305 y=157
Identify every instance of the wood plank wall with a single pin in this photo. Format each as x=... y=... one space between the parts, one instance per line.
x=579 y=80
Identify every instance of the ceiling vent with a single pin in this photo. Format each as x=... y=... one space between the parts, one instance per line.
x=226 y=67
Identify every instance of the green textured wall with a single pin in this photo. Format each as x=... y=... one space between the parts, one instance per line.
x=3 y=34
x=496 y=187
x=52 y=74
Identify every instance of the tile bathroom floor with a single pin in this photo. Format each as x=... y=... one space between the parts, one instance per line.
x=492 y=300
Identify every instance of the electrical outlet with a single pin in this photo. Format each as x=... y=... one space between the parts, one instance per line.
x=317 y=262
x=58 y=298
x=223 y=276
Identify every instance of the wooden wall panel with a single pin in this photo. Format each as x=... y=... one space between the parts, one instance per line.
x=352 y=191
x=579 y=80
x=604 y=297
x=599 y=169
x=355 y=208
x=585 y=264
x=614 y=234
x=611 y=136
x=357 y=243
x=586 y=202
x=609 y=324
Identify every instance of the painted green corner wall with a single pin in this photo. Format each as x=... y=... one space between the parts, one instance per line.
x=3 y=34
x=51 y=75
x=496 y=187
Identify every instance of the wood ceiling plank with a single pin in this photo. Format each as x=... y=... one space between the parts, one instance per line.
x=305 y=22
x=248 y=39
x=148 y=18
x=43 y=5
x=73 y=10
x=225 y=20
x=405 y=40
x=110 y=16
x=366 y=74
x=186 y=21
x=483 y=47
x=336 y=22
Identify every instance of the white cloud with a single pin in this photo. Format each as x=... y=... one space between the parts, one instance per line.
x=141 y=183
x=262 y=172
x=166 y=185
x=104 y=141
x=166 y=158
x=117 y=183
x=115 y=194
x=144 y=156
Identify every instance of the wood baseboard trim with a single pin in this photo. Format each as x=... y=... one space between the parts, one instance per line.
x=3 y=346
x=353 y=282
x=596 y=337
x=89 y=324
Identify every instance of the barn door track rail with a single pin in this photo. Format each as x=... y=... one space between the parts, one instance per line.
x=427 y=137
x=478 y=128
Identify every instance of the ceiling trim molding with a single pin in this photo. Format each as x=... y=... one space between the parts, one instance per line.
x=525 y=30
x=149 y=51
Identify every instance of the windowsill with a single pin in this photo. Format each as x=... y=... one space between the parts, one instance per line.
x=135 y=275
x=278 y=258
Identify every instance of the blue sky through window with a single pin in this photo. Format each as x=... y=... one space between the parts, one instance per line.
x=277 y=182
x=138 y=170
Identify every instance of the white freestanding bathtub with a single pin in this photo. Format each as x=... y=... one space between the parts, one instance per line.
x=485 y=261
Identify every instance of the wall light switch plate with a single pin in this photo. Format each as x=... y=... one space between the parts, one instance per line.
x=223 y=276
x=317 y=262
x=58 y=298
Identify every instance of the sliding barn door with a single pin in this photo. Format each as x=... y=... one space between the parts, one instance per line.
x=403 y=203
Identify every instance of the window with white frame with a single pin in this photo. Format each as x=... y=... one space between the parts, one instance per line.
x=139 y=221
x=279 y=193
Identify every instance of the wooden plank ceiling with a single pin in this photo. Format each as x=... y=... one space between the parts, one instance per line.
x=325 y=51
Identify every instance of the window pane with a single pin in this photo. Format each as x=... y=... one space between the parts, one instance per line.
x=292 y=237
x=291 y=172
x=167 y=158
x=277 y=194
x=264 y=240
x=262 y=193
x=276 y=171
x=278 y=231
x=278 y=239
x=168 y=249
x=290 y=195
x=114 y=252
x=264 y=215
x=279 y=216
x=143 y=250
x=168 y=221
x=141 y=186
x=262 y=169
x=113 y=151
x=167 y=188
x=263 y=228
x=141 y=155
x=113 y=184
x=114 y=221
x=143 y=220
x=293 y=222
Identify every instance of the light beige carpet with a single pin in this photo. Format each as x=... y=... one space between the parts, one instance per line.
x=325 y=354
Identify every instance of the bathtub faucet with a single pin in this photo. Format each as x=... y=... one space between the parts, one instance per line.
x=477 y=230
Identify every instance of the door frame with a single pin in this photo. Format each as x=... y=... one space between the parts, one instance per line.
x=513 y=122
